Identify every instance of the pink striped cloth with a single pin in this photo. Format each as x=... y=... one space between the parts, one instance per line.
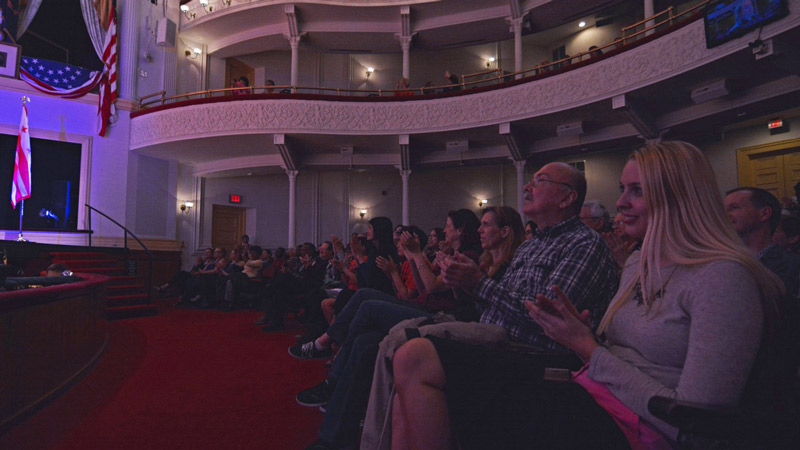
x=641 y=435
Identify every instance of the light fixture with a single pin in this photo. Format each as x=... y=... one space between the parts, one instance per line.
x=194 y=53
x=226 y=2
x=362 y=213
x=185 y=11
x=204 y=4
x=482 y=203
x=489 y=62
x=186 y=206
x=582 y=24
x=369 y=71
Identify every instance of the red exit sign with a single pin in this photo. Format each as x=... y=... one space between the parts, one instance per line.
x=233 y=198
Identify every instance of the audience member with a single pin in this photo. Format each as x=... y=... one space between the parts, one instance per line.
x=58 y=270
x=595 y=216
x=434 y=238
x=787 y=235
x=402 y=88
x=756 y=214
x=347 y=386
x=619 y=242
x=530 y=230
x=691 y=306
x=269 y=90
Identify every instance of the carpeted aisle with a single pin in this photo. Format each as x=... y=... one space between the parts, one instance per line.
x=185 y=379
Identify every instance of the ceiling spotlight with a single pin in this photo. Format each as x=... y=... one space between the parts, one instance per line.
x=582 y=24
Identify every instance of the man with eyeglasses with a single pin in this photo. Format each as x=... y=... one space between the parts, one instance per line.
x=595 y=216
x=564 y=252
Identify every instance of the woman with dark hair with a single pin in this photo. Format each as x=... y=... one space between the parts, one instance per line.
x=434 y=239
x=380 y=235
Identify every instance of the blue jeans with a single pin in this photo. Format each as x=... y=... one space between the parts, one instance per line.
x=339 y=329
x=351 y=374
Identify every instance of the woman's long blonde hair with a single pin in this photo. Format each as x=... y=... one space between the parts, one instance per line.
x=686 y=224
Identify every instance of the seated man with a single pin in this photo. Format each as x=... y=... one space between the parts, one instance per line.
x=564 y=252
x=755 y=214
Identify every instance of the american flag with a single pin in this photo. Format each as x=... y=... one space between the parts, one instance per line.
x=57 y=78
x=108 y=85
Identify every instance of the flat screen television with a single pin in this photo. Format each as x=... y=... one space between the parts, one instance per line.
x=730 y=19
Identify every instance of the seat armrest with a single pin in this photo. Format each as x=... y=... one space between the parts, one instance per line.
x=727 y=424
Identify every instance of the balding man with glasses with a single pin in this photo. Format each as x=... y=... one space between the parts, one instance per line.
x=564 y=252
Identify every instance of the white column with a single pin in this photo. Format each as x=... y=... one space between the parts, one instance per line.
x=128 y=48
x=292 y=174
x=520 y=165
x=516 y=27
x=404 y=174
x=294 y=42
x=649 y=11
x=405 y=44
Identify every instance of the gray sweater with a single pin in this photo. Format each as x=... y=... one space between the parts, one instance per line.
x=697 y=343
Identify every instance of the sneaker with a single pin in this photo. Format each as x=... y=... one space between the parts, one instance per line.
x=315 y=396
x=309 y=351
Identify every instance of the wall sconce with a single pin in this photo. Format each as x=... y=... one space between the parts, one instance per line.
x=362 y=213
x=226 y=2
x=482 y=203
x=193 y=53
x=185 y=11
x=204 y=4
x=369 y=71
x=489 y=62
x=186 y=207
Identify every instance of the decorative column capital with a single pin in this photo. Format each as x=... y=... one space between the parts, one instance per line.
x=404 y=174
x=515 y=24
x=292 y=174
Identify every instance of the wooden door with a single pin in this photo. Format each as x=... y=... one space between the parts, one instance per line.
x=774 y=167
x=235 y=69
x=227 y=226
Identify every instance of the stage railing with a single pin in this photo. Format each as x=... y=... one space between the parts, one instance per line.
x=629 y=34
x=127 y=250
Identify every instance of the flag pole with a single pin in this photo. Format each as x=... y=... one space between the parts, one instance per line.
x=25 y=99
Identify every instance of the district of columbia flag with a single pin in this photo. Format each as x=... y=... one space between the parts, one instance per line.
x=21 y=184
x=108 y=84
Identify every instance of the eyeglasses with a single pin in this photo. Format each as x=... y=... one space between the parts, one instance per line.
x=535 y=182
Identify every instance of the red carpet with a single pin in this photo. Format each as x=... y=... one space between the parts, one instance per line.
x=185 y=379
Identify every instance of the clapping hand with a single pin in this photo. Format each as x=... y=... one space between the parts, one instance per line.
x=386 y=265
x=563 y=323
x=410 y=242
x=459 y=271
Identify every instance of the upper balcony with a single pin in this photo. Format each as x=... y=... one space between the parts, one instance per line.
x=667 y=84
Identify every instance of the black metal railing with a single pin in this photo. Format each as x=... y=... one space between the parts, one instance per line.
x=127 y=250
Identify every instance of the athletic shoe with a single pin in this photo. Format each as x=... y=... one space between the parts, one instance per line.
x=315 y=396
x=309 y=351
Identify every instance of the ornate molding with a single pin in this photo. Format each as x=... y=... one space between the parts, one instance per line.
x=661 y=59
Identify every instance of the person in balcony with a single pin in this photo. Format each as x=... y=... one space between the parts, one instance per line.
x=400 y=87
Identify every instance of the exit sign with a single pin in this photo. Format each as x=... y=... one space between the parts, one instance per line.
x=233 y=198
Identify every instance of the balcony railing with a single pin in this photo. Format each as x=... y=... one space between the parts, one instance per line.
x=658 y=23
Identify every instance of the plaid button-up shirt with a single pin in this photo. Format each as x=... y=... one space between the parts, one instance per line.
x=569 y=255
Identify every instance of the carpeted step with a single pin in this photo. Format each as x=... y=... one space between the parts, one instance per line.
x=130 y=311
x=125 y=300
x=77 y=264
x=104 y=270
x=119 y=289
x=60 y=256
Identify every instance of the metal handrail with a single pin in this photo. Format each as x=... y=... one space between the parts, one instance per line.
x=539 y=69
x=127 y=250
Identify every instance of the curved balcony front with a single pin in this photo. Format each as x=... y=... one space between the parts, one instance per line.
x=639 y=91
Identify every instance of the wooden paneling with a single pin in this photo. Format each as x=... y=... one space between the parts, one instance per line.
x=50 y=337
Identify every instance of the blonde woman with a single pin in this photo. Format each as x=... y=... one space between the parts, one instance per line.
x=687 y=322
